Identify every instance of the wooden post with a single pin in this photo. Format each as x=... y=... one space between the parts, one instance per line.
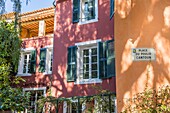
x=42 y=27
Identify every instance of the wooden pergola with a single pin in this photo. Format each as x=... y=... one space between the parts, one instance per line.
x=30 y=22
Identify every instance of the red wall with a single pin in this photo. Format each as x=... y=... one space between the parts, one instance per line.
x=67 y=34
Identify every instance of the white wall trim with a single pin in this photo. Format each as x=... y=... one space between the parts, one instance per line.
x=88 y=22
x=27 y=49
x=89 y=81
x=20 y=74
x=35 y=89
x=88 y=42
x=49 y=46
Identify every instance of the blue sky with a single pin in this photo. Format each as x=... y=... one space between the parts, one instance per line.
x=32 y=5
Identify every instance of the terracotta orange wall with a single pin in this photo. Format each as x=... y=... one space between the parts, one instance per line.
x=67 y=34
x=144 y=24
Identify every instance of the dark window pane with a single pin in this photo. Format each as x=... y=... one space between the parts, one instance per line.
x=86 y=75
x=94 y=66
x=94 y=59
x=85 y=59
x=94 y=51
x=94 y=74
x=86 y=52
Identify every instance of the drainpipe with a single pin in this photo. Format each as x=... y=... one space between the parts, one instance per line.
x=51 y=77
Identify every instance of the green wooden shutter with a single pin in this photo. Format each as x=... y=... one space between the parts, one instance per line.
x=72 y=63
x=76 y=10
x=32 y=62
x=110 y=58
x=42 y=64
x=102 y=60
x=111 y=8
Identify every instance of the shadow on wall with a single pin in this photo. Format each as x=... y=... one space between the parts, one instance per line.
x=67 y=34
x=141 y=23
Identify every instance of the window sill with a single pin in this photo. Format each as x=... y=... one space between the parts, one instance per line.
x=21 y=74
x=90 y=81
x=88 y=21
x=47 y=73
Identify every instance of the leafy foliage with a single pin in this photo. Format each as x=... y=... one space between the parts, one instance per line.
x=9 y=46
x=13 y=99
x=45 y=103
x=150 y=101
x=10 y=97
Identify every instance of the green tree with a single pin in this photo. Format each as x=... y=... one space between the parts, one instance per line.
x=10 y=98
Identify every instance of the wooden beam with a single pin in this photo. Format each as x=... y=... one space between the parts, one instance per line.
x=36 y=21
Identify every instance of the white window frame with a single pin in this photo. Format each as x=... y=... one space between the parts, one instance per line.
x=21 y=62
x=35 y=89
x=79 y=62
x=48 y=59
x=88 y=21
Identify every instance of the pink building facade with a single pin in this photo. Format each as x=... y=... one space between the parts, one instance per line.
x=69 y=50
x=83 y=55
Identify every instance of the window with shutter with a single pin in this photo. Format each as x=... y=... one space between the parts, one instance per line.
x=72 y=63
x=42 y=63
x=111 y=8
x=91 y=61
x=85 y=11
x=87 y=62
x=27 y=64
